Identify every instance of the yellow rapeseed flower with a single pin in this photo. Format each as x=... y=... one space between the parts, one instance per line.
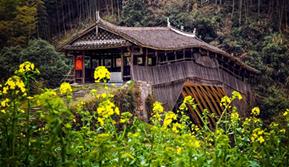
x=14 y=83
x=157 y=107
x=5 y=103
x=177 y=127
x=192 y=142
x=157 y=110
x=26 y=67
x=257 y=135
x=101 y=74
x=65 y=88
x=179 y=150
x=285 y=113
x=237 y=95
x=125 y=116
x=188 y=100
x=106 y=109
x=282 y=131
x=261 y=139
x=255 y=111
x=170 y=116
x=93 y=91
x=225 y=101
x=235 y=117
x=101 y=121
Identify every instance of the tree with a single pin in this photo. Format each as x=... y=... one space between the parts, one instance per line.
x=51 y=64
x=135 y=13
x=10 y=59
x=18 y=21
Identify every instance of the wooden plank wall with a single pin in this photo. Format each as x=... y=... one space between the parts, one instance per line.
x=167 y=80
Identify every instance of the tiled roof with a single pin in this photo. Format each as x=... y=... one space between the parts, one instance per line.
x=159 y=38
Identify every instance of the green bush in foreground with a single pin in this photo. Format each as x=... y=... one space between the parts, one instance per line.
x=41 y=130
x=45 y=57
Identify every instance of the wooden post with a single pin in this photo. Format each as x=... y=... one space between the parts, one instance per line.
x=91 y=66
x=175 y=56
x=156 y=55
x=122 y=64
x=131 y=63
x=146 y=57
x=74 y=72
x=192 y=54
x=83 y=69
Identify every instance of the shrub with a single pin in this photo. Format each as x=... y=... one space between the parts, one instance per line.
x=50 y=63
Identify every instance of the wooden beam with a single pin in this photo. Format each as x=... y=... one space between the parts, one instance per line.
x=91 y=66
x=74 y=57
x=201 y=109
x=146 y=57
x=131 y=63
x=218 y=99
x=156 y=56
x=206 y=98
x=191 y=110
x=211 y=98
x=202 y=103
x=122 y=64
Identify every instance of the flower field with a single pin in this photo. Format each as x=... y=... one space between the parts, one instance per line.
x=42 y=130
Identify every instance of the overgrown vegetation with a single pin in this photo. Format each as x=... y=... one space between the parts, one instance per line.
x=255 y=31
x=42 y=54
x=41 y=130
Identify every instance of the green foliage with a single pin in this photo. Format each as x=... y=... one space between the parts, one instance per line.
x=135 y=13
x=10 y=60
x=180 y=12
x=275 y=57
x=18 y=21
x=125 y=98
x=53 y=135
x=50 y=63
x=270 y=57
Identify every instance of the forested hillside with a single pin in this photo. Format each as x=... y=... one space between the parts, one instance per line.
x=47 y=122
x=255 y=31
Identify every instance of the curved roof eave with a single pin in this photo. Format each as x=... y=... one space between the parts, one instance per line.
x=119 y=30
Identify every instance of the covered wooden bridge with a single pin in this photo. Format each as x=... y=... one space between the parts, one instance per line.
x=174 y=62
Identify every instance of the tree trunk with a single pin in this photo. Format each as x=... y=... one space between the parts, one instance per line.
x=233 y=8
x=259 y=4
x=240 y=11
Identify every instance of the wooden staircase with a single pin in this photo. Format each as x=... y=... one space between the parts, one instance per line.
x=69 y=77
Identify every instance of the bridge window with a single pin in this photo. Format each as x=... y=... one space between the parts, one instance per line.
x=188 y=53
x=151 y=61
x=162 y=57
x=171 y=56
x=140 y=60
x=107 y=63
x=118 y=62
x=180 y=54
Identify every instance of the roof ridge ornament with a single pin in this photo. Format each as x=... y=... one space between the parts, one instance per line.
x=192 y=35
x=97 y=16
x=194 y=32
x=168 y=22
